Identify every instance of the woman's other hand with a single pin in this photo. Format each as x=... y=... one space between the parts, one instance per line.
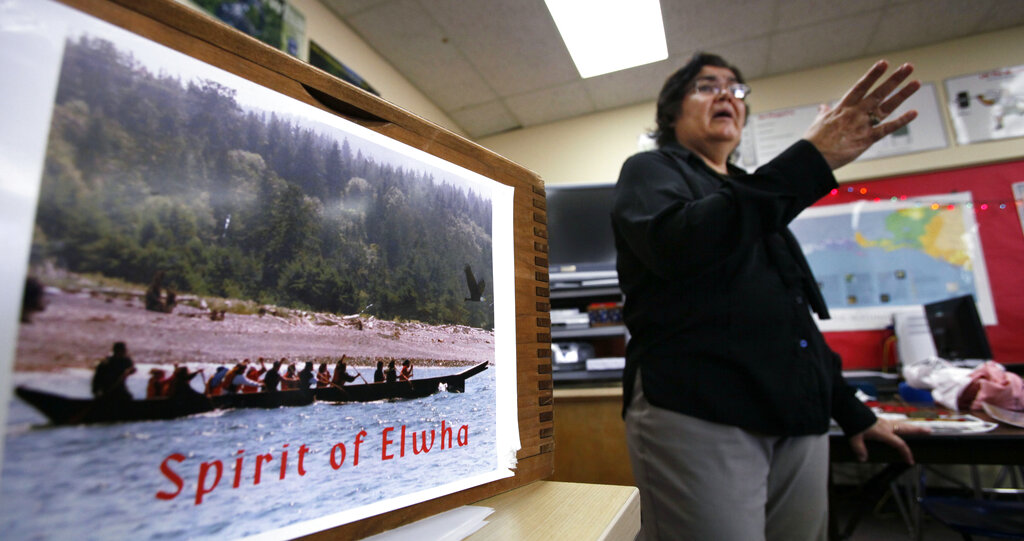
x=889 y=433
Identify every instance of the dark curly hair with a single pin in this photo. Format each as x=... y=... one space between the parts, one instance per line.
x=675 y=89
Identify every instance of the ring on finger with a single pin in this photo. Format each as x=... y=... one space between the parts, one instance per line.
x=895 y=429
x=873 y=119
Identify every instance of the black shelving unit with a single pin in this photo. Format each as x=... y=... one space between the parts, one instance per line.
x=607 y=340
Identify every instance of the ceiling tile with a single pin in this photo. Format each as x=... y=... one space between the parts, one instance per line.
x=913 y=24
x=751 y=57
x=1002 y=14
x=408 y=38
x=629 y=86
x=705 y=24
x=344 y=8
x=515 y=46
x=812 y=46
x=550 y=104
x=796 y=13
x=492 y=65
x=485 y=119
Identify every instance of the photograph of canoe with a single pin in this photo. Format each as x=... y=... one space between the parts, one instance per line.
x=63 y=410
x=242 y=314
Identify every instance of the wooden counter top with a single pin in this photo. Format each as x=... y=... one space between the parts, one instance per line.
x=545 y=510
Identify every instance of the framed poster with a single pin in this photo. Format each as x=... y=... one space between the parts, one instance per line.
x=179 y=233
x=274 y=22
x=322 y=59
x=1017 y=188
x=987 y=106
x=926 y=132
x=767 y=134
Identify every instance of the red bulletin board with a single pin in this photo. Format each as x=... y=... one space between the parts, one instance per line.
x=1002 y=240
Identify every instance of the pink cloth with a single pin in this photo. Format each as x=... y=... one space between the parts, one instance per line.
x=991 y=383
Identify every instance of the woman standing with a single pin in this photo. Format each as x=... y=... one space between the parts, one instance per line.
x=729 y=386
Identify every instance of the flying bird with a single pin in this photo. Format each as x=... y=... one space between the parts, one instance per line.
x=476 y=289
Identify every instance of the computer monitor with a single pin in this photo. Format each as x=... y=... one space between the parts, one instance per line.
x=580 y=242
x=957 y=329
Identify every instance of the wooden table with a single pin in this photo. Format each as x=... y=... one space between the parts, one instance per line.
x=545 y=510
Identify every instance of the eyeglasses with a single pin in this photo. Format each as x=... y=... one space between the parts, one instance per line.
x=737 y=90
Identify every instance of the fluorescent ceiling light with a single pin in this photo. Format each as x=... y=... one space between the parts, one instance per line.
x=610 y=35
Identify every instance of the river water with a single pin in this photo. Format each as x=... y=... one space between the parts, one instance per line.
x=103 y=481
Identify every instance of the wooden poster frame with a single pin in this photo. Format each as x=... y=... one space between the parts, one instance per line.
x=195 y=34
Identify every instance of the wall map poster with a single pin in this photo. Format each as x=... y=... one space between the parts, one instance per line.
x=874 y=259
x=217 y=275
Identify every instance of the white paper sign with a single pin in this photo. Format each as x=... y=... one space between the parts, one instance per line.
x=926 y=132
x=987 y=106
x=768 y=134
x=1018 y=199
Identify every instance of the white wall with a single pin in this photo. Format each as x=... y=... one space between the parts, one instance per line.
x=591 y=149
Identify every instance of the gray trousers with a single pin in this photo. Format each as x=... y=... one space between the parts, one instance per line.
x=706 y=481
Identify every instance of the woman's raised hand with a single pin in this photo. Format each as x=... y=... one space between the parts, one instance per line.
x=859 y=120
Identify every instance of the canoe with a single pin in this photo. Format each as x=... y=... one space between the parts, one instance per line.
x=62 y=410
x=414 y=388
x=275 y=399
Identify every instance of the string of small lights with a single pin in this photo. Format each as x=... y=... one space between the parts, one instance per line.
x=865 y=194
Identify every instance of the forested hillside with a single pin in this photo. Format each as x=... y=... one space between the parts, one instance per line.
x=147 y=172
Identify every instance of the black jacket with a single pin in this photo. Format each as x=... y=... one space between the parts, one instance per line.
x=718 y=293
